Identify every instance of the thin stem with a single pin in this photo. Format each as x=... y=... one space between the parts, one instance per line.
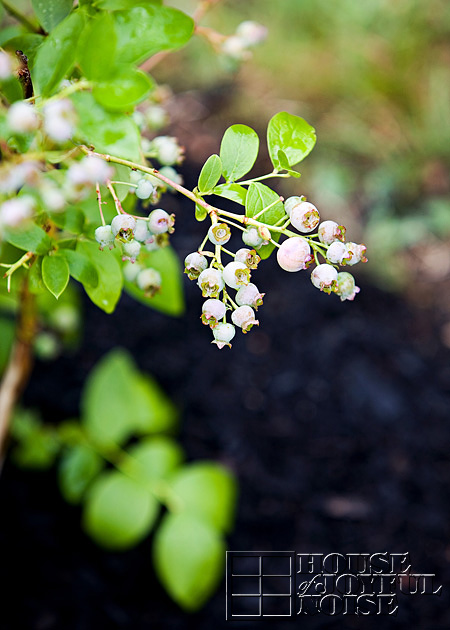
x=117 y=203
x=99 y=199
x=239 y=227
x=203 y=243
x=228 y=297
x=125 y=184
x=22 y=262
x=274 y=243
x=260 y=179
x=20 y=17
x=228 y=252
x=211 y=210
x=70 y=89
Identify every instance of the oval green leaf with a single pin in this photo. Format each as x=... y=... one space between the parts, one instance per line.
x=30 y=238
x=119 y=511
x=56 y=56
x=238 y=151
x=155 y=457
x=80 y=267
x=97 y=48
x=292 y=135
x=260 y=196
x=106 y=293
x=234 y=192
x=189 y=557
x=78 y=466
x=51 y=12
x=55 y=273
x=125 y=90
x=209 y=491
x=210 y=174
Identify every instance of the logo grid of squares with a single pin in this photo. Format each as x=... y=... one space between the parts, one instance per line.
x=259 y=584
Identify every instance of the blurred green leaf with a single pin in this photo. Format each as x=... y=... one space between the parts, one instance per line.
x=28 y=43
x=115 y=5
x=30 y=238
x=238 y=151
x=97 y=48
x=144 y=31
x=107 y=292
x=210 y=174
x=119 y=512
x=37 y=445
x=81 y=268
x=200 y=213
x=208 y=491
x=157 y=457
x=260 y=196
x=292 y=135
x=189 y=557
x=7 y=329
x=78 y=466
x=56 y=56
x=108 y=132
x=51 y=12
x=127 y=88
x=118 y=402
x=55 y=273
x=170 y=299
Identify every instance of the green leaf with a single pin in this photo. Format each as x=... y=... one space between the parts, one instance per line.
x=107 y=292
x=55 y=273
x=144 y=31
x=170 y=300
x=293 y=135
x=108 y=132
x=56 y=56
x=37 y=445
x=7 y=331
x=78 y=466
x=207 y=490
x=234 y=192
x=28 y=43
x=238 y=151
x=210 y=174
x=119 y=511
x=116 y=5
x=80 y=267
x=30 y=238
x=118 y=401
x=156 y=457
x=97 y=48
x=260 y=196
x=284 y=163
x=189 y=557
x=127 y=88
x=51 y=12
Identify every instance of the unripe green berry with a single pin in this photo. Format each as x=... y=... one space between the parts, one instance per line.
x=141 y=232
x=131 y=251
x=144 y=189
x=123 y=227
x=223 y=334
x=252 y=238
x=236 y=274
x=345 y=286
x=149 y=280
x=104 y=235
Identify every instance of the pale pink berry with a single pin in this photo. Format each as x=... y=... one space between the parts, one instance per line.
x=249 y=296
x=223 y=334
x=356 y=253
x=15 y=211
x=244 y=317
x=294 y=254
x=324 y=277
x=251 y=33
x=167 y=149
x=305 y=217
x=345 y=286
x=236 y=274
x=330 y=231
x=22 y=117
x=159 y=221
x=149 y=280
x=6 y=66
x=212 y=312
x=211 y=282
x=219 y=234
x=291 y=202
x=247 y=256
x=337 y=253
x=131 y=251
x=59 y=120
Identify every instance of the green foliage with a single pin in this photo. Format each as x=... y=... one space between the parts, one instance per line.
x=51 y=12
x=122 y=490
x=55 y=274
x=121 y=92
x=107 y=292
x=29 y=237
x=292 y=136
x=259 y=197
x=238 y=151
x=210 y=174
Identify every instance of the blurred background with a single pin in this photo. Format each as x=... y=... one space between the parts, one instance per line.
x=334 y=417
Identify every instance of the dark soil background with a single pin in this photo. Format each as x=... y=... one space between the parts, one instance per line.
x=334 y=417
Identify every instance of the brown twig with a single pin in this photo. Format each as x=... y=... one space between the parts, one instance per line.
x=20 y=363
x=23 y=74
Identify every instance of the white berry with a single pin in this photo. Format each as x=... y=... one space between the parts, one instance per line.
x=212 y=312
x=337 y=252
x=131 y=251
x=330 y=231
x=294 y=254
x=244 y=317
x=211 y=282
x=104 y=236
x=194 y=264
x=346 y=288
x=305 y=217
x=144 y=189
x=249 y=295
x=324 y=277
x=159 y=221
x=219 y=234
x=236 y=274
x=223 y=334
x=123 y=227
x=22 y=117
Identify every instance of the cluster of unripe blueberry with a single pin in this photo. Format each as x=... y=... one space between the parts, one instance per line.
x=134 y=233
x=294 y=254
